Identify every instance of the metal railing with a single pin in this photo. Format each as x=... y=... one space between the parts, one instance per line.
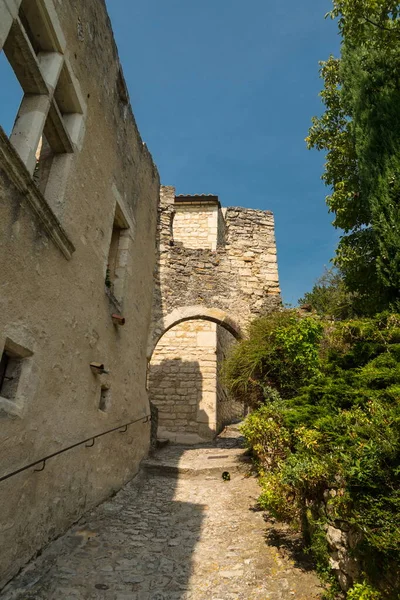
x=121 y=428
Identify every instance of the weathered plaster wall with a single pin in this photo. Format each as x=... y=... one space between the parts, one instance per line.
x=60 y=310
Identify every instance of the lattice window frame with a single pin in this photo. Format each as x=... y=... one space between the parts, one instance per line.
x=52 y=106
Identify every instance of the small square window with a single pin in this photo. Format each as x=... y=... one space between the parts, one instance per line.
x=13 y=363
x=10 y=371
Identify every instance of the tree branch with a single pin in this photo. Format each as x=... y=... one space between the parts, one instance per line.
x=380 y=26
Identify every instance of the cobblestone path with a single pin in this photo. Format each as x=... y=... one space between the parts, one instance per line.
x=192 y=537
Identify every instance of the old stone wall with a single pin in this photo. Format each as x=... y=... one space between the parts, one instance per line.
x=195 y=226
x=239 y=277
x=183 y=380
x=214 y=264
x=57 y=296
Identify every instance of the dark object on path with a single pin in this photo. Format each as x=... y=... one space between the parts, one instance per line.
x=226 y=476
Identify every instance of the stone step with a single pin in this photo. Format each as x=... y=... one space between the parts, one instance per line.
x=183 y=462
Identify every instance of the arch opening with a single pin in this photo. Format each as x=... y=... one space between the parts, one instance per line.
x=190 y=313
x=184 y=380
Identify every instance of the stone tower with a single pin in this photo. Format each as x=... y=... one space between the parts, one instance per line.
x=216 y=270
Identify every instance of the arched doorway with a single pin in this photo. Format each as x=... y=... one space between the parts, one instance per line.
x=184 y=375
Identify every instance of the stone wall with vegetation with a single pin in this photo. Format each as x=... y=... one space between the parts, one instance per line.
x=219 y=265
x=228 y=408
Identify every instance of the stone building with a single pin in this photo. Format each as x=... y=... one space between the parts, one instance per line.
x=96 y=267
x=78 y=213
x=216 y=270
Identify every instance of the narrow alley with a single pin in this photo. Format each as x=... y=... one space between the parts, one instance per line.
x=178 y=531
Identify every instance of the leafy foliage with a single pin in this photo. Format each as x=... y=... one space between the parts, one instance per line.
x=280 y=353
x=372 y=21
x=330 y=453
x=363 y=591
x=360 y=131
x=332 y=132
x=330 y=298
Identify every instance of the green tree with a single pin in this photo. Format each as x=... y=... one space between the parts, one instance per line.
x=360 y=131
x=329 y=297
x=372 y=21
x=329 y=454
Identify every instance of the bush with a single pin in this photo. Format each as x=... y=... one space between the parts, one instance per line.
x=266 y=436
x=362 y=591
x=330 y=454
x=329 y=296
x=281 y=353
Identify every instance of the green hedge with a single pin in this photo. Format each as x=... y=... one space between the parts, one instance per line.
x=335 y=442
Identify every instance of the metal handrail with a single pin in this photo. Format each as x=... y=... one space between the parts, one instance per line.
x=92 y=438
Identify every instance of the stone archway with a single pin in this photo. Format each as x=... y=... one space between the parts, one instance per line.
x=184 y=382
x=216 y=270
x=190 y=313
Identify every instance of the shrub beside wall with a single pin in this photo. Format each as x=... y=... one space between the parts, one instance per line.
x=328 y=450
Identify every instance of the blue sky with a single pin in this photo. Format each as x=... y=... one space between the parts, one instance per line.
x=223 y=93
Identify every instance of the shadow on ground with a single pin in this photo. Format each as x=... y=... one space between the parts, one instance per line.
x=177 y=532
x=289 y=543
x=139 y=544
x=136 y=546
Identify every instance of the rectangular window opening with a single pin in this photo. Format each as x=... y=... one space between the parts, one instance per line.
x=117 y=255
x=10 y=372
x=44 y=159
x=38 y=26
x=45 y=129
x=65 y=93
x=23 y=15
x=54 y=142
x=112 y=258
x=122 y=89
